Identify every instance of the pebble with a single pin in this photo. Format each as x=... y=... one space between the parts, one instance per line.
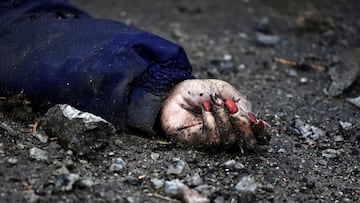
x=12 y=160
x=65 y=182
x=157 y=183
x=117 y=165
x=194 y=180
x=263 y=25
x=82 y=132
x=303 y=80
x=308 y=132
x=344 y=74
x=330 y=153
x=177 y=189
x=154 y=156
x=232 y=164
x=38 y=154
x=246 y=184
x=354 y=101
x=345 y=125
x=173 y=188
x=42 y=138
x=219 y=199
x=86 y=183
x=177 y=168
x=267 y=40
x=61 y=170
x=245 y=189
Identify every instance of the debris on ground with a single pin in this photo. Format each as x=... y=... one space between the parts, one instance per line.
x=178 y=190
x=118 y=165
x=82 y=132
x=267 y=39
x=302 y=65
x=330 y=153
x=355 y=101
x=177 y=168
x=38 y=154
x=65 y=182
x=246 y=189
x=344 y=73
x=309 y=133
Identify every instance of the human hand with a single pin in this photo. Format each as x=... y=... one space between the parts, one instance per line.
x=209 y=113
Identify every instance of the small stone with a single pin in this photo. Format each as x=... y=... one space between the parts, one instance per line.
x=303 y=80
x=246 y=184
x=310 y=184
x=38 y=154
x=65 y=182
x=267 y=40
x=330 y=153
x=85 y=183
x=194 y=180
x=281 y=150
x=118 y=142
x=173 y=188
x=117 y=165
x=177 y=189
x=227 y=57
x=12 y=160
x=177 y=169
x=130 y=199
x=82 y=132
x=263 y=25
x=154 y=156
x=354 y=101
x=42 y=138
x=157 y=183
x=219 y=199
x=344 y=74
x=345 y=125
x=61 y=170
x=232 y=164
x=338 y=138
x=308 y=132
x=246 y=189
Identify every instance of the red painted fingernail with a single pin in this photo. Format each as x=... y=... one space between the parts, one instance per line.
x=261 y=124
x=231 y=106
x=252 y=117
x=206 y=106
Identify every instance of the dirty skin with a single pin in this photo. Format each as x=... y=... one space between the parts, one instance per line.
x=212 y=113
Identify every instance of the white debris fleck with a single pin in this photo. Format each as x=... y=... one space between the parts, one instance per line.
x=72 y=113
x=38 y=154
x=355 y=101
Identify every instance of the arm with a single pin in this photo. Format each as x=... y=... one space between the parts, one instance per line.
x=116 y=71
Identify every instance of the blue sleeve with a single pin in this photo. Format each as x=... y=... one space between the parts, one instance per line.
x=58 y=54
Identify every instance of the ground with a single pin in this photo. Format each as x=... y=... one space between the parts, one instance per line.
x=222 y=40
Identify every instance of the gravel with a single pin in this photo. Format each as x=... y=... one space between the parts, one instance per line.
x=220 y=40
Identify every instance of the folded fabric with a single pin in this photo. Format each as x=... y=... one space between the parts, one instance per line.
x=57 y=53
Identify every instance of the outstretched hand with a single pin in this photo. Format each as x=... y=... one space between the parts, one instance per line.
x=212 y=113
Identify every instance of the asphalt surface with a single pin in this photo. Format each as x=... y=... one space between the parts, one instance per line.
x=313 y=156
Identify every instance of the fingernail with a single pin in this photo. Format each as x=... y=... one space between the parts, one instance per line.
x=261 y=124
x=206 y=106
x=231 y=106
x=252 y=117
x=216 y=99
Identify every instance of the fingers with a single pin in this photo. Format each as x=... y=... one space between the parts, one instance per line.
x=210 y=133
x=225 y=128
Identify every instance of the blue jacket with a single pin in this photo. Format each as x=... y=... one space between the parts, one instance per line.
x=57 y=53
